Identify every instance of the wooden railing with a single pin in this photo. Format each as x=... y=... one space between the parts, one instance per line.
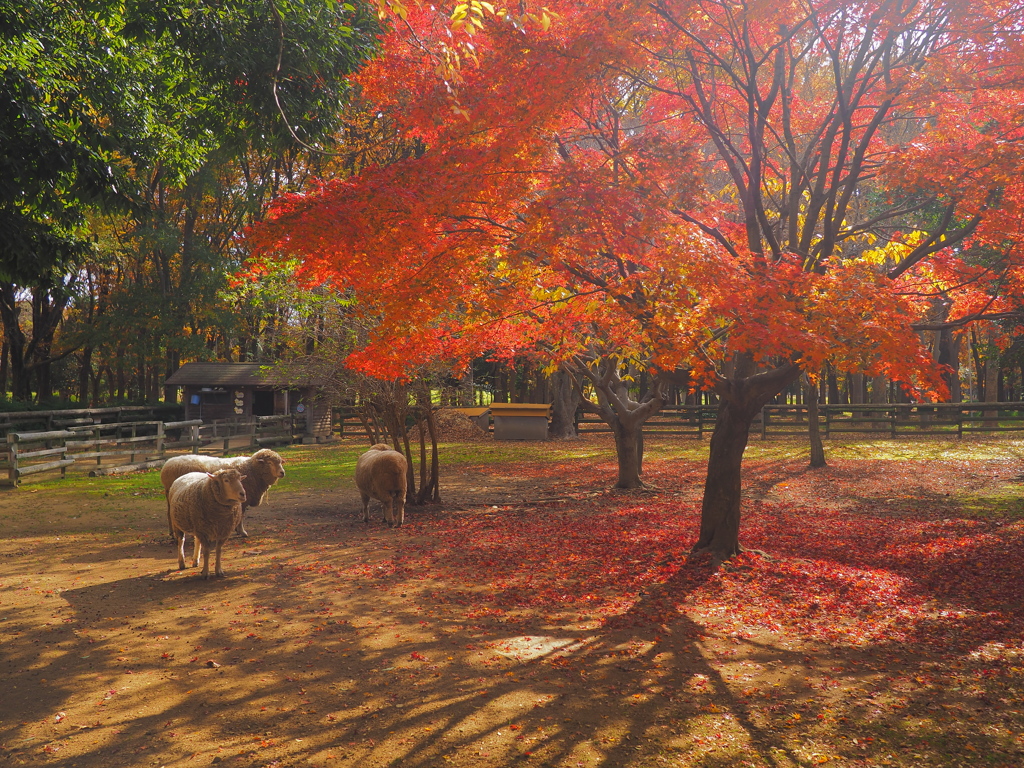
x=48 y=421
x=116 y=448
x=952 y=419
x=22 y=462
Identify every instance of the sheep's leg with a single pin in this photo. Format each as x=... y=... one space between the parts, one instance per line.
x=366 y=508
x=206 y=557
x=179 y=536
x=170 y=525
x=398 y=504
x=196 y=546
x=217 y=569
x=240 y=528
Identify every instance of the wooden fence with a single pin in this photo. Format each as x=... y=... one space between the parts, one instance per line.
x=937 y=419
x=109 y=448
x=51 y=420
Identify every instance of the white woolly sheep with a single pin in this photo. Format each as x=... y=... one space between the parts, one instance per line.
x=380 y=474
x=261 y=470
x=209 y=507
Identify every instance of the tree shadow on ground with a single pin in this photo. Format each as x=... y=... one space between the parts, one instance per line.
x=336 y=643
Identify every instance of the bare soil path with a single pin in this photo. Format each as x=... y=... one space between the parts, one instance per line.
x=534 y=618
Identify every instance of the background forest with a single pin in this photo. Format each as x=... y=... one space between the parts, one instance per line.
x=138 y=140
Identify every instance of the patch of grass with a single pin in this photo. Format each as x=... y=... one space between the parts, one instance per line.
x=145 y=483
x=920 y=449
x=332 y=465
x=1008 y=505
x=321 y=467
x=456 y=454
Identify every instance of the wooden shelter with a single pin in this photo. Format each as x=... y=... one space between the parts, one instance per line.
x=243 y=391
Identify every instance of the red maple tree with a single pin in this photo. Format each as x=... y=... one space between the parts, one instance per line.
x=743 y=190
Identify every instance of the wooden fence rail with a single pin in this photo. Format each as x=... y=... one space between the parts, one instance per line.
x=119 y=447
x=19 y=456
x=936 y=419
x=44 y=421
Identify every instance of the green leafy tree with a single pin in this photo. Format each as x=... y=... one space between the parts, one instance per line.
x=182 y=117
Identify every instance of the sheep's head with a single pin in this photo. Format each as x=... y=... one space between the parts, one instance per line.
x=227 y=486
x=270 y=464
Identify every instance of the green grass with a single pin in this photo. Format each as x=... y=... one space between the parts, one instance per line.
x=332 y=465
x=1007 y=505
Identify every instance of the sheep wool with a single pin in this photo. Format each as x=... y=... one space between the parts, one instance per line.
x=208 y=506
x=261 y=470
x=381 y=475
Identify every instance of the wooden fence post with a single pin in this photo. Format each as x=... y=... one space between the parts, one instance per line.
x=12 y=448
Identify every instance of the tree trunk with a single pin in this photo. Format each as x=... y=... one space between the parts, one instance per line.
x=813 y=428
x=991 y=380
x=172 y=363
x=720 y=509
x=467 y=387
x=10 y=313
x=949 y=356
x=880 y=396
x=834 y=396
x=565 y=400
x=741 y=399
x=856 y=388
x=3 y=368
x=619 y=411
x=629 y=453
x=84 y=375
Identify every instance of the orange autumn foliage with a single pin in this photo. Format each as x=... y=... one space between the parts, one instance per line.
x=742 y=190
x=615 y=158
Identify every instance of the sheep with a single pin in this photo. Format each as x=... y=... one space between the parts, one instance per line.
x=261 y=470
x=209 y=507
x=380 y=474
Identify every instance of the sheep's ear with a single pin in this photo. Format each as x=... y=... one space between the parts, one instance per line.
x=210 y=474
x=242 y=477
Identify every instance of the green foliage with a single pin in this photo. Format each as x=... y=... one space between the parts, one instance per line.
x=136 y=140
x=57 y=156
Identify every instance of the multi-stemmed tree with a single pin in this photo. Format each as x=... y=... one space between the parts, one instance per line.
x=746 y=189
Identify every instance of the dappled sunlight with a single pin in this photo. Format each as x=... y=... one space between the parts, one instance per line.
x=572 y=630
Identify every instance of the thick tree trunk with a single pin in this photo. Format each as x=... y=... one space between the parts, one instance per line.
x=629 y=453
x=742 y=398
x=834 y=396
x=619 y=411
x=47 y=314
x=3 y=368
x=172 y=363
x=565 y=400
x=467 y=388
x=856 y=389
x=948 y=347
x=880 y=396
x=720 y=509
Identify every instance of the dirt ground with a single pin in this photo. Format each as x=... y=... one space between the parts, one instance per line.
x=337 y=643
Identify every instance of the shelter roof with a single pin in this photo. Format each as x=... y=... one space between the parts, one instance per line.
x=225 y=375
